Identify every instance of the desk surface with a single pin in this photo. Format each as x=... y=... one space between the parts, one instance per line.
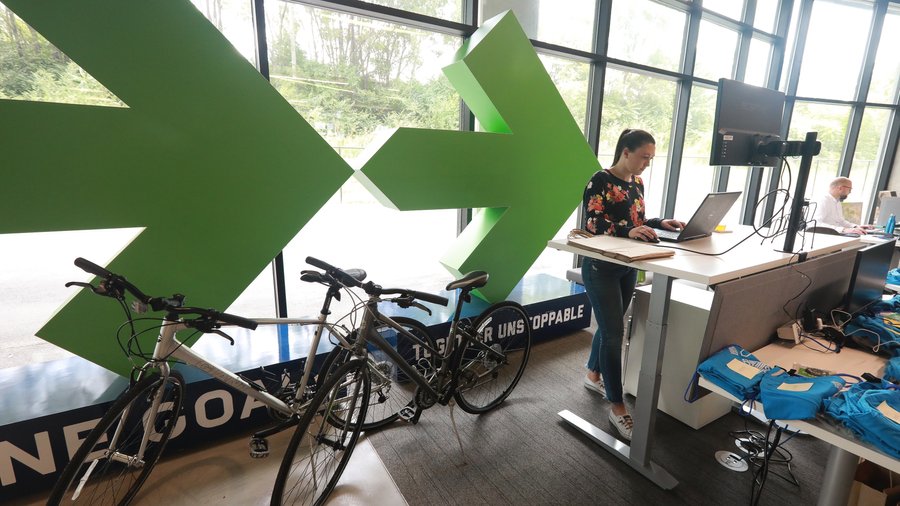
x=748 y=258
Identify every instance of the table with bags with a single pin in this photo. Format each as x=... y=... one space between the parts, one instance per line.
x=858 y=418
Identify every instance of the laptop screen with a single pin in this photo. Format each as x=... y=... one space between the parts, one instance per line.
x=711 y=211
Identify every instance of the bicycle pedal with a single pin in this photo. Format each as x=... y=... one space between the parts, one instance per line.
x=407 y=413
x=259 y=447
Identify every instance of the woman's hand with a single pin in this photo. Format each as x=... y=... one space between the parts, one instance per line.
x=643 y=233
x=672 y=224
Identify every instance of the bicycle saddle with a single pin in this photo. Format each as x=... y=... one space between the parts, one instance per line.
x=474 y=279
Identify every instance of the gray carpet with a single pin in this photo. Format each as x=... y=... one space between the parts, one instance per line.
x=523 y=453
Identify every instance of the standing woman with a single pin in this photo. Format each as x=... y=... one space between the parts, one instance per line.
x=614 y=205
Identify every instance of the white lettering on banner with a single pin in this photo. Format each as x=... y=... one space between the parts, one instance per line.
x=179 y=425
x=72 y=435
x=43 y=463
x=200 y=409
x=556 y=317
x=250 y=404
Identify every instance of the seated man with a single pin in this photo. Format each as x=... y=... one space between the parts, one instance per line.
x=828 y=208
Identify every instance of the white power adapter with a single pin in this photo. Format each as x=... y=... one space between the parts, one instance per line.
x=790 y=332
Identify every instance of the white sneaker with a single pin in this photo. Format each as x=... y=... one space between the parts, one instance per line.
x=622 y=423
x=596 y=386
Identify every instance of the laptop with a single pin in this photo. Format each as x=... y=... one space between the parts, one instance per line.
x=711 y=211
x=888 y=206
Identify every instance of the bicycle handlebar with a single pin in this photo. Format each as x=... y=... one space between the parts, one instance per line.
x=336 y=273
x=172 y=304
x=371 y=288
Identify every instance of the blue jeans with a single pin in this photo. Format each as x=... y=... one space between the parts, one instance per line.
x=609 y=288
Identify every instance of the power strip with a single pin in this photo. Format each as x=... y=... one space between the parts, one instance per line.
x=790 y=332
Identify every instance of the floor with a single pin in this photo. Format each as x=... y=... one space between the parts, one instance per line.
x=225 y=474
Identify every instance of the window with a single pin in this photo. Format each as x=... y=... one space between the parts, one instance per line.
x=234 y=18
x=571 y=79
x=887 y=62
x=353 y=78
x=628 y=99
x=571 y=26
x=445 y=9
x=868 y=155
x=661 y=32
x=819 y=76
x=730 y=8
x=31 y=68
x=766 y=14
x=697 y=175
x=830 y=121
x=758 y=62
x=716 y=50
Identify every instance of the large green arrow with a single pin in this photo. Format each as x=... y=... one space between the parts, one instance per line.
x=528 y=172
x=208 y=157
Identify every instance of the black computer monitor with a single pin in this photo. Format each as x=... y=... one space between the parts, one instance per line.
x=747 y=117
x=869 y=273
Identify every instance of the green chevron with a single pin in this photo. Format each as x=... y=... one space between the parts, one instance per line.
x=208 y=157
x=527 y=172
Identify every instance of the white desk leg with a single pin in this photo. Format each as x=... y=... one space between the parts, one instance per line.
x=838 y=479
x=638 y=455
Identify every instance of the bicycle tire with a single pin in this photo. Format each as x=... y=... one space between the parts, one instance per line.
x=308 y=474
x=483 y=382
x=112 y=477
x=391 y=389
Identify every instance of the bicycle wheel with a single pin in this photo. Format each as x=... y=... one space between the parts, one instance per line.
x=391 y=390
x=490 y=367
x=319 y=450
x=104 y=473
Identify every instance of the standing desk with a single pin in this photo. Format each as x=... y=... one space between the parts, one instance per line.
x=845 y=448
x=748 y=258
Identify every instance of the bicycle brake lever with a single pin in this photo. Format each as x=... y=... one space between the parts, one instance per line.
x=226 y=336
x=421 y=306
x=79 y=283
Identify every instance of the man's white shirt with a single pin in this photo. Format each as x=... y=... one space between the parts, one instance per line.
x=830 y=214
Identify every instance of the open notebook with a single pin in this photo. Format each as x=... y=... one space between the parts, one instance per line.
x=622 y=250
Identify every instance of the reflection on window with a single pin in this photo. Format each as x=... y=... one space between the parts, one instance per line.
x=716 y=50
x=730 y=8
x=352 y=78
x=571 y=79
x=571 y=26
x=31 y=68
x=696 y=179
x=661 y=32
x=444 y=9
x=766 y=13
x=758 y=62
x=634 y=100
x=887 y=62
x=234 y=18
x=869 y=152
x=819 y=76
x=830 y=121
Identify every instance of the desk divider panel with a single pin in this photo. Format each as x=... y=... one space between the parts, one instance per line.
x=748 y=311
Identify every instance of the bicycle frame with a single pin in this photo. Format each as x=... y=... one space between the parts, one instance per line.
x=169 y=347
x=457 y=333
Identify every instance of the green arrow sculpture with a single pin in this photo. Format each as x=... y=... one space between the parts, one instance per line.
x=527 y=173
x=208 y=157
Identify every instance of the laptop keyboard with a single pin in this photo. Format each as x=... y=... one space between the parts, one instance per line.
x=668 y=234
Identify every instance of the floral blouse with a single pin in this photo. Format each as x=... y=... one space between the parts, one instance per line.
x=613 y=206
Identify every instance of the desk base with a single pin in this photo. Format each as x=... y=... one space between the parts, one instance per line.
x=651 y=471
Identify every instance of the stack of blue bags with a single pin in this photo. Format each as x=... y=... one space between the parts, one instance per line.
x=735 y=370
x=872 y=411
x=786 y=397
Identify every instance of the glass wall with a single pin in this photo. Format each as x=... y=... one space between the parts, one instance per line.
x=356 y=76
